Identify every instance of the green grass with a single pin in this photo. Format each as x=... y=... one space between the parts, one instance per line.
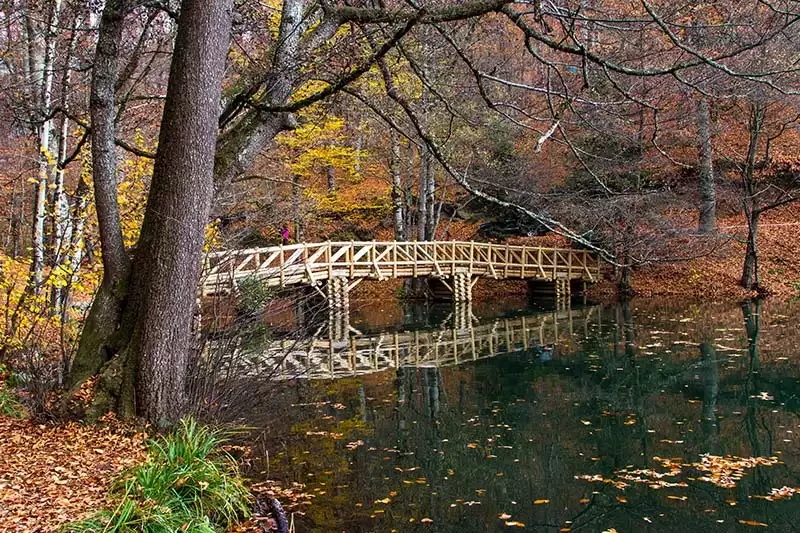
x=187 y=484
x=10 y=404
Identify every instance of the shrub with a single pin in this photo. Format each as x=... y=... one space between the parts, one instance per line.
x=253 y=296
x=10 y=404
x=187 y=484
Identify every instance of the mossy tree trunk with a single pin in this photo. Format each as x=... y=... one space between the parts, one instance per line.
x=138 y=332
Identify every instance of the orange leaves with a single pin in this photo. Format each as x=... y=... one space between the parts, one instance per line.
x=753 y=523
x=53 y=474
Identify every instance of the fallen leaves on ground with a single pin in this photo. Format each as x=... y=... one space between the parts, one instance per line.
x=54 y=473
x=718 y=274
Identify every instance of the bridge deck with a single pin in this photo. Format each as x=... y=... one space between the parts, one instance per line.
x=308 y=263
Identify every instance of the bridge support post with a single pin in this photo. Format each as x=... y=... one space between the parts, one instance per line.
x=462 y=287
x=462 y=315
x=338 y=294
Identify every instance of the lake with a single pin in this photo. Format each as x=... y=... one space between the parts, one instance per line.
x=630 y=418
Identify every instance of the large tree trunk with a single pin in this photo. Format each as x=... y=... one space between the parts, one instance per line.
x=708 y=194
x=168 y=257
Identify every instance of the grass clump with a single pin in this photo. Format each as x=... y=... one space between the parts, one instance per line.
x=10 y=404
x=187 y=484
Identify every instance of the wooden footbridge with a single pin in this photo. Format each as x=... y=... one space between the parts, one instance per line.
x=340 y=266
x=324 y=357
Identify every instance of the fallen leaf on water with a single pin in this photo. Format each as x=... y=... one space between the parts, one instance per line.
x=540 y=502
x=752 y=523
x=504 y=516
x=515 y=524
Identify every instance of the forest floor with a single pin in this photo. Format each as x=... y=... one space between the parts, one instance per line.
x=716 y=275
x=56 y=473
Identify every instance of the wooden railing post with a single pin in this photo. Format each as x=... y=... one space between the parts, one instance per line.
x=328 y=259
x=282 y=273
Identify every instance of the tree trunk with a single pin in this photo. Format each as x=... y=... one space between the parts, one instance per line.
x=297 y=208
x=752 y=204
x=61 y=221
x=331 y=173
x=168 y=256
x=96 y=348
x=750 y=269
x=422 y=195
x=708 y=417
x=624 y=287
x=397 y=187
x=45 y=89
x=708 y=195
x=431 y=220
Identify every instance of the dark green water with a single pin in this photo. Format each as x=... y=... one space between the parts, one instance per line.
x=639 y=418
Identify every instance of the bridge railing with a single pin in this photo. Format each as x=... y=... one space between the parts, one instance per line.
x=310 y=262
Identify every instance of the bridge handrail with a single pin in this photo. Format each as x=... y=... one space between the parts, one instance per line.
x=310 y=262
x=298 y=246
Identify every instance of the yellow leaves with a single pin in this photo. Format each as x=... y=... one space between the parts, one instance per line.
x=753 y=523
x=679 y=498
x=540 y=502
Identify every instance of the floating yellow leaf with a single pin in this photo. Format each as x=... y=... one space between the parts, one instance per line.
x=540 y=502
x=752 y=523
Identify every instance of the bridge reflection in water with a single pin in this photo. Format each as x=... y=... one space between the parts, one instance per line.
x=461 y=338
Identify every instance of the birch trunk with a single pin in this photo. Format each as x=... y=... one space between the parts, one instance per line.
x=397 y=187
x=43 y=58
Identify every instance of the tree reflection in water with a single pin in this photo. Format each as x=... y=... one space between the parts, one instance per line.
x=473 y=446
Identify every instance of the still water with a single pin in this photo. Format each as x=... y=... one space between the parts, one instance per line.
x=632 y=418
